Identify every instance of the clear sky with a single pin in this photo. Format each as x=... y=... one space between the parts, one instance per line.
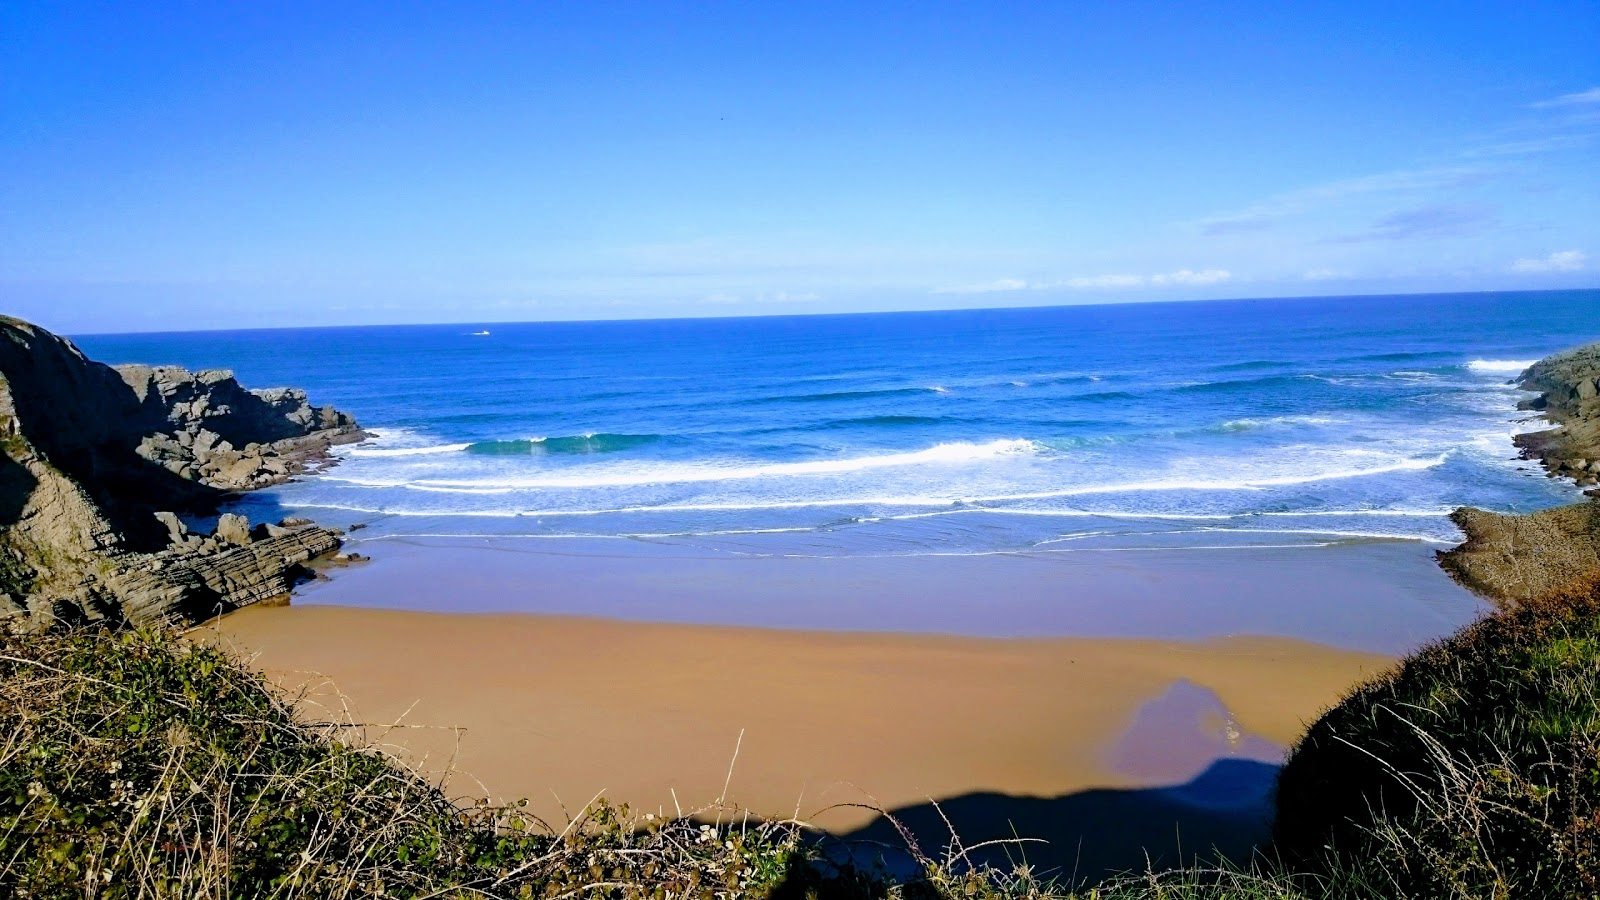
x=211 y=164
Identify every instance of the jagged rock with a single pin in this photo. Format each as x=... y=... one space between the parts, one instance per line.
x=233 y=528
x=1569 y=397
x=94 y=461
x=176 y=530
x=201 y=419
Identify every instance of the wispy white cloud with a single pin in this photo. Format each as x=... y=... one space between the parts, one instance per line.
x=1559 y=261
x=1581 y=98
x=990 y=287
x=728 y=298
x=1265 y=214
x=1529 y=146
x=1091 y=282
x=1325 y=274
x=1431 y=221
x=1182 y=277
x=1186 y=276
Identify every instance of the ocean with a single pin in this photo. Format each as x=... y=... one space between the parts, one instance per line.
x=1205 y=426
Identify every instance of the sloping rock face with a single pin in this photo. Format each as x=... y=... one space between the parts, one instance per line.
x=1517 y=560
x=1553 y=553
x=93 y=460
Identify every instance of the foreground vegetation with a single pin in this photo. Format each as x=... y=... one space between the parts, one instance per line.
x=137 y=764
x=1470 y=770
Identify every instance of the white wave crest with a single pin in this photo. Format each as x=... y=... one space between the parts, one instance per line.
x=1500 y=365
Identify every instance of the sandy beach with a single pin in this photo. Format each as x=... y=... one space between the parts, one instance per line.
x=561 y=709
x=1112 y=703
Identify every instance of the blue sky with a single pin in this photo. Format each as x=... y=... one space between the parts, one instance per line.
x=217 y=165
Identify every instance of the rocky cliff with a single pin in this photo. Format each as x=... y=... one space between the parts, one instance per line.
x=1552 y=553
x=1569 y=395
x=96 y=463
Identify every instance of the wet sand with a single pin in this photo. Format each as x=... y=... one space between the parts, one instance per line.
x=1374 y=596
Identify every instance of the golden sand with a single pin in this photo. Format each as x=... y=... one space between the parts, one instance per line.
x=559 y=709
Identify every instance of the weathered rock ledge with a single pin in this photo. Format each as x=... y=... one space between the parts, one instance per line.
x=97 y=463
x=1515 y=560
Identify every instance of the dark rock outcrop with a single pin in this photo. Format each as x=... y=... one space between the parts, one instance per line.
x=1554 y=553
x=205 y=427
x=1569 y=395
x=96 y=462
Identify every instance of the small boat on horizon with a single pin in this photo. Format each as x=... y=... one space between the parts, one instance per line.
x=480 y=334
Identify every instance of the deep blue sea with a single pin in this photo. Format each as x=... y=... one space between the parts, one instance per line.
x=1196 y=425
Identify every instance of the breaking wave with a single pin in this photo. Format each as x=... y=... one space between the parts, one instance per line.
x=1510 y=366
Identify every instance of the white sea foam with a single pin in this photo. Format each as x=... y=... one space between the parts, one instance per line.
x=1241 y=484
x=1250 y=424
x=1380 y=535
x=616 y=476
x=1500 y=365
x=407 y=451
x=945 y=504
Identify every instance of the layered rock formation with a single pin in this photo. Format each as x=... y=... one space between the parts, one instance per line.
x=1552 y=553
x=96 y=463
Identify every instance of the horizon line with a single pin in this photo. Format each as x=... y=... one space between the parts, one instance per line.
x=865 y=312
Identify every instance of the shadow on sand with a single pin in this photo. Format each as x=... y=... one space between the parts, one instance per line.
x=1084 y=837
